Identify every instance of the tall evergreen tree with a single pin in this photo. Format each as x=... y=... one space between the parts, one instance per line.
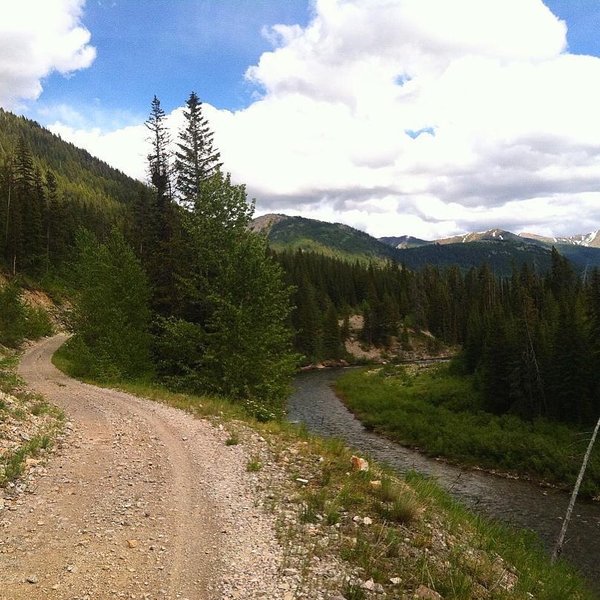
x=232 y=304
x=162 y=262
x=196 y=159
x=332 y=340
x=306 y=320
x=159 y=158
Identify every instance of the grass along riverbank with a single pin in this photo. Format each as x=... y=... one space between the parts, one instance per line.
x=355 y=534
x=438 y=412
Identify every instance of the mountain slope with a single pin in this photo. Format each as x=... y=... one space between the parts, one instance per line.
x=49 y=190
x=332 y=239
x=588 y=240
x=80 y=175
x=404 y=241
x=499 y=255
x=492 y=235
x=582 y=250
x=499 y=249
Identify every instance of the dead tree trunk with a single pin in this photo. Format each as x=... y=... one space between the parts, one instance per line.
x=563 y=531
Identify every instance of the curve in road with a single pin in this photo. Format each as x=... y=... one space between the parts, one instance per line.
x=144 y=501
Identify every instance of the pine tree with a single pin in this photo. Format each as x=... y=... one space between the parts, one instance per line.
x=306 y=319
x=161 y=262
x=19 y=213
x=144 y=226
x=8 y=209
x=367 y=332
x=391 y=318
x=345 y=328
x=332 y=340
x=35 y=226
x=497 y=365
x=159 y=157
x=569 y=374
x=196 y=159
x=561 y=278
x=231 y=302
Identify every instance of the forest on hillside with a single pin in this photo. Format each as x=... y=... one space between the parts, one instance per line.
x=170 y=283
x=167 y=280
x=48 y=189
x=531 y=339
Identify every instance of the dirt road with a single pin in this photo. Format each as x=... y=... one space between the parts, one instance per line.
x=143 y=502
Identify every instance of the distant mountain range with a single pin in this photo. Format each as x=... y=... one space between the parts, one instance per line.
x=588 y=240
x=498 y=248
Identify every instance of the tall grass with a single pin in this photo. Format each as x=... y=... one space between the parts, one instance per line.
x=440 y=413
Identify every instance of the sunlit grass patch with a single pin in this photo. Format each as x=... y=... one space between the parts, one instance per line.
x=254 y=464
x=440 y=413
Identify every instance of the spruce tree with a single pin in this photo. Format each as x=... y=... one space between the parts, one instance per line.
x=196 y=159
x=162 y=262
x=232 y=304
x=159 y=157
x=332 y=340
x=306 y=320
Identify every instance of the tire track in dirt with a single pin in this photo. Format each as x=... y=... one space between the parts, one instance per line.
x=140 y=503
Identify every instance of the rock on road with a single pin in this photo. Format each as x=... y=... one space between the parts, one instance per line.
x=144 y=501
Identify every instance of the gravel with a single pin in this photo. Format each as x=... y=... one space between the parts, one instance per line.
x=139 y=500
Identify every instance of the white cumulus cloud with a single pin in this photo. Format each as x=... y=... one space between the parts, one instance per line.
x=427 y=117
x=38 y=37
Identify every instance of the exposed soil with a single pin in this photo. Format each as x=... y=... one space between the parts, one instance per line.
x=140 y=501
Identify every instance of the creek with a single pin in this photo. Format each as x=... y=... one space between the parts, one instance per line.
x=519 y=503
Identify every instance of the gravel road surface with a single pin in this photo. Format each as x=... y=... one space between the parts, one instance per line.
x=142 y=501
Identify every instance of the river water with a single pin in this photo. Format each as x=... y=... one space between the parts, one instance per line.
x=519 y=503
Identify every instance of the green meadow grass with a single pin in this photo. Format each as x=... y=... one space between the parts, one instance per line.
x=439 y=412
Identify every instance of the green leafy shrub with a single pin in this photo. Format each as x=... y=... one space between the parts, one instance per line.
x=12 y=316
x=19 y=321
x=440 y=412
x=112 y=316
x=38 y=323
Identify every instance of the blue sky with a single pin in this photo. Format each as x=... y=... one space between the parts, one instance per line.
x=583 y=20
x=315 y=104
x=169 y=48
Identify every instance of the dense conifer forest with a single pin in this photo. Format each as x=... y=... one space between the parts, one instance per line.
x=167 y=279
x=533 y=340
x=170 y=283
